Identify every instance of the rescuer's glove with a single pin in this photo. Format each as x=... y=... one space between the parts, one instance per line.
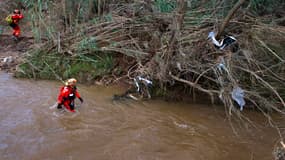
x=81 y=100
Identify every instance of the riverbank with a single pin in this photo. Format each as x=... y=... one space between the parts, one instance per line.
x=167 y=46
x=12 y=52
x=165 y=42
x=122 y=130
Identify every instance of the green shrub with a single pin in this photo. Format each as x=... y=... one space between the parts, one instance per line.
x=165 y=6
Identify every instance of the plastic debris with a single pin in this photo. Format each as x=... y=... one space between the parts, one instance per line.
x=137 y=84
x=229 y=40
x=139 y=79
x=222 y=66
x=221 y=94
x=179 y=66
x=8 y=59
x=238 y=96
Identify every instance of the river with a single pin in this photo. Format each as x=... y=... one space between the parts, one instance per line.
x=121 y=130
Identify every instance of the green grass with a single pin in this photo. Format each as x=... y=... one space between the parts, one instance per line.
x=87 y=44
x=51 y=66
x=1 y=29
x=165 y=6
x=265 y=6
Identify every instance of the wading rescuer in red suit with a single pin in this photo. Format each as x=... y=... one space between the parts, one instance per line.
x=67 y=95
x=16 y=17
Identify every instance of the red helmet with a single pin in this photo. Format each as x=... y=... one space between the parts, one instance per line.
x=16 y=11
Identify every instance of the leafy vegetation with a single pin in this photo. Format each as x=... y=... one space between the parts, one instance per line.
x=165 y=41
x=50 y=66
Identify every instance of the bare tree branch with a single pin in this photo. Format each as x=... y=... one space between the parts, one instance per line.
x=228 y=18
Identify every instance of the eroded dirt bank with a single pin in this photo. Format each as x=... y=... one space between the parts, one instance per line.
x=11 y=51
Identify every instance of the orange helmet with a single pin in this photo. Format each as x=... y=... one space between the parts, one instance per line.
x=16 y=11
x=71 y=82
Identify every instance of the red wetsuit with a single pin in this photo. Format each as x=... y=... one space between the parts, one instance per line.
x=66 y=97
x=16 y=29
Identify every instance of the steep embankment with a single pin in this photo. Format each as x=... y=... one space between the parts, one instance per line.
x=11 y=51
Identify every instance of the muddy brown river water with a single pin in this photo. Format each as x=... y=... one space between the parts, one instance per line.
x=125 y=130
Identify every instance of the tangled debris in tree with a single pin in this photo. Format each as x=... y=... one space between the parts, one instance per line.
x=168 y=43
x=279 y=152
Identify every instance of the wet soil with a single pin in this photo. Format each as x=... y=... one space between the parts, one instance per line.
x=11 y=51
